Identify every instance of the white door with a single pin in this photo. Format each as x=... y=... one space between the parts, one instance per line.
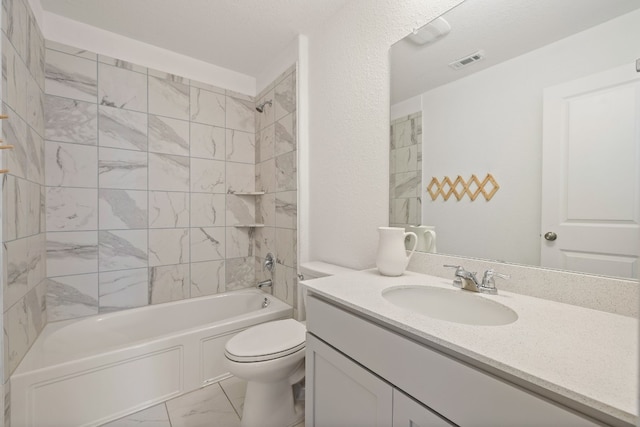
x=590 y=174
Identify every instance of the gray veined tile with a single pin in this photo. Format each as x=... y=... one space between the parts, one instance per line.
x=207 y=176
x=17 y=271
x=207 y=406
x=266 y=176
x=168 y=246
x=240 y=115
x=207 y=210
x=122 y=88
x=123 y=289
x=266 y=210
x=73 y=252
x=69 y=120
x=207 y=142
x=241 y=146
x=241 y=273
x=285 y=137
x=35 y=106
x=76 y=51
x=14 y=129
x=122 y=209
x=71 y=165
x=286 y=209
x=240 y=177
x=37 y=257
x=35 y=305
x=285 y=283
x=16 y=335
x=173 y=78
x=207 y=107
x=207 y=244
x=265 y=241
x=286 y=244
x=168 y=136
x=122 y=64
x=72 y=296
x=14 y=78
x=122 y=169
x=207 y=278
x=71 y=77
x=72 y=209
x=235 y=388
x=120 y=128
x=16 y=20
x=285 y=97
x=168 y=98
x=122 y=249
x=35 y=163
x=240 y=209
x=206 y=86
x=286 y=172
x=265 y=143
x=238 y=242
x=266 y=118
x=156 y=416
x=168 y=172
x=168 y=209
x=169 y=283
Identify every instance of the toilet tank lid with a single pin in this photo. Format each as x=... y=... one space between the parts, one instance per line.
x=322 y=269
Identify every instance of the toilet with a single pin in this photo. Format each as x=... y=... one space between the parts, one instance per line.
x=270 y=357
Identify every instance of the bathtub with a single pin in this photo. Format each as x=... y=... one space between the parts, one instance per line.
x=90 y=371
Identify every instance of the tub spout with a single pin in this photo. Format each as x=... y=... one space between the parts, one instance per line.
x=265 y=284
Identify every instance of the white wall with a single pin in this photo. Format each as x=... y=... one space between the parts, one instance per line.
x=497 y=129
x=67 y=31
x=349 y=124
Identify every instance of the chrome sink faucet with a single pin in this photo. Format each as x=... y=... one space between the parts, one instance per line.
x=469 y=282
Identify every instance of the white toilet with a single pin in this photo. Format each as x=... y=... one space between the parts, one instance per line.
x=270 y=356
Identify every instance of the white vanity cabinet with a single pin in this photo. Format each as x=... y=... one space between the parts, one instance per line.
x=359 y=373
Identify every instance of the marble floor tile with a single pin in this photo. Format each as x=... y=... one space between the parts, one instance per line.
x=208 y=406
x=156 y=416
x=235 y=389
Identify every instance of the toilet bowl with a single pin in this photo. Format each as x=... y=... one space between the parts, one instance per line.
x=270 y=357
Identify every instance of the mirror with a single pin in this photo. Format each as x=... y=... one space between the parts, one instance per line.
x=488 y=114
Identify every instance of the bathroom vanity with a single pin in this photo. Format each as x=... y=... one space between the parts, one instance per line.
x=371 y=362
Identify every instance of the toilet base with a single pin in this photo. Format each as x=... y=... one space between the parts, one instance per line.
x=271 y=405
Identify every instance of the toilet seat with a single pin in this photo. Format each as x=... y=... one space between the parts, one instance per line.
x=268 y=341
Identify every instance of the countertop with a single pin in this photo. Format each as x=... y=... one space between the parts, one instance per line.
x=587 y=356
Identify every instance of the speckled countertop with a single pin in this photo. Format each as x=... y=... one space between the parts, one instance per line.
x=587 y=356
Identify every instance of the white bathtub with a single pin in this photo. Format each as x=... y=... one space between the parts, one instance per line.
x=90 y=371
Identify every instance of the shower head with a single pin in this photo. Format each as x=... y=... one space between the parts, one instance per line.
x=260 y=107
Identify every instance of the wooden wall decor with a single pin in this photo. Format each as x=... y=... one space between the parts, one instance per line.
x=473 y=187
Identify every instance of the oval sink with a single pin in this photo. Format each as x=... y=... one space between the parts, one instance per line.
x=452 y=305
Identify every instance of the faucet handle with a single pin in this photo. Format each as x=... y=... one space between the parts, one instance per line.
x=489 y=283
x=457 y=282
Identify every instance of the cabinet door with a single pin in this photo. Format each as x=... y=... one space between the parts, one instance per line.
x=342 y=393
x=409 y=413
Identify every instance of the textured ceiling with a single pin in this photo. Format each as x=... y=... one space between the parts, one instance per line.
x=504 y=29
x=240 y=35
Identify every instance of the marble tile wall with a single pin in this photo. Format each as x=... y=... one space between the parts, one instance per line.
x=23 y=233
x=142 y=168
x=405 y=171
x=276 y=174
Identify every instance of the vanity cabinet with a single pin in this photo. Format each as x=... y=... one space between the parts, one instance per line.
x=361 y=373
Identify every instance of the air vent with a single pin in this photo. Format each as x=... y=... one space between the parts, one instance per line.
x=467 y=60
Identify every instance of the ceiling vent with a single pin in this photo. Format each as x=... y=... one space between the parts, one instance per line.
x=467 y=60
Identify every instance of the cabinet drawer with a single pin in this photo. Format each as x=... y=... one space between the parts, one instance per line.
x=463 y=394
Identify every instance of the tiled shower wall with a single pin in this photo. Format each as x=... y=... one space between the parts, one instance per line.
x=140 y=170
x=405 y=171
x=276 y=174
x=23 y=237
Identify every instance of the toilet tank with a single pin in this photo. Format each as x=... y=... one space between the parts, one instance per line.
x=314 y=270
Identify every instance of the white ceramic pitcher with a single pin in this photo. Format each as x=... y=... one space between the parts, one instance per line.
x=426 y=237
x=392 y=258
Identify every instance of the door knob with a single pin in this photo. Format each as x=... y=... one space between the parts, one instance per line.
x=550 y=236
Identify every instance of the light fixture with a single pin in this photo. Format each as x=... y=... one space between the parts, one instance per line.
x=430 y=33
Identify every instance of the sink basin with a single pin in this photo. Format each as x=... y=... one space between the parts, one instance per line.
x=452 y=305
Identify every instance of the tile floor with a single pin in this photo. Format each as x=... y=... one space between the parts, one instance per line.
x=217 y=405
